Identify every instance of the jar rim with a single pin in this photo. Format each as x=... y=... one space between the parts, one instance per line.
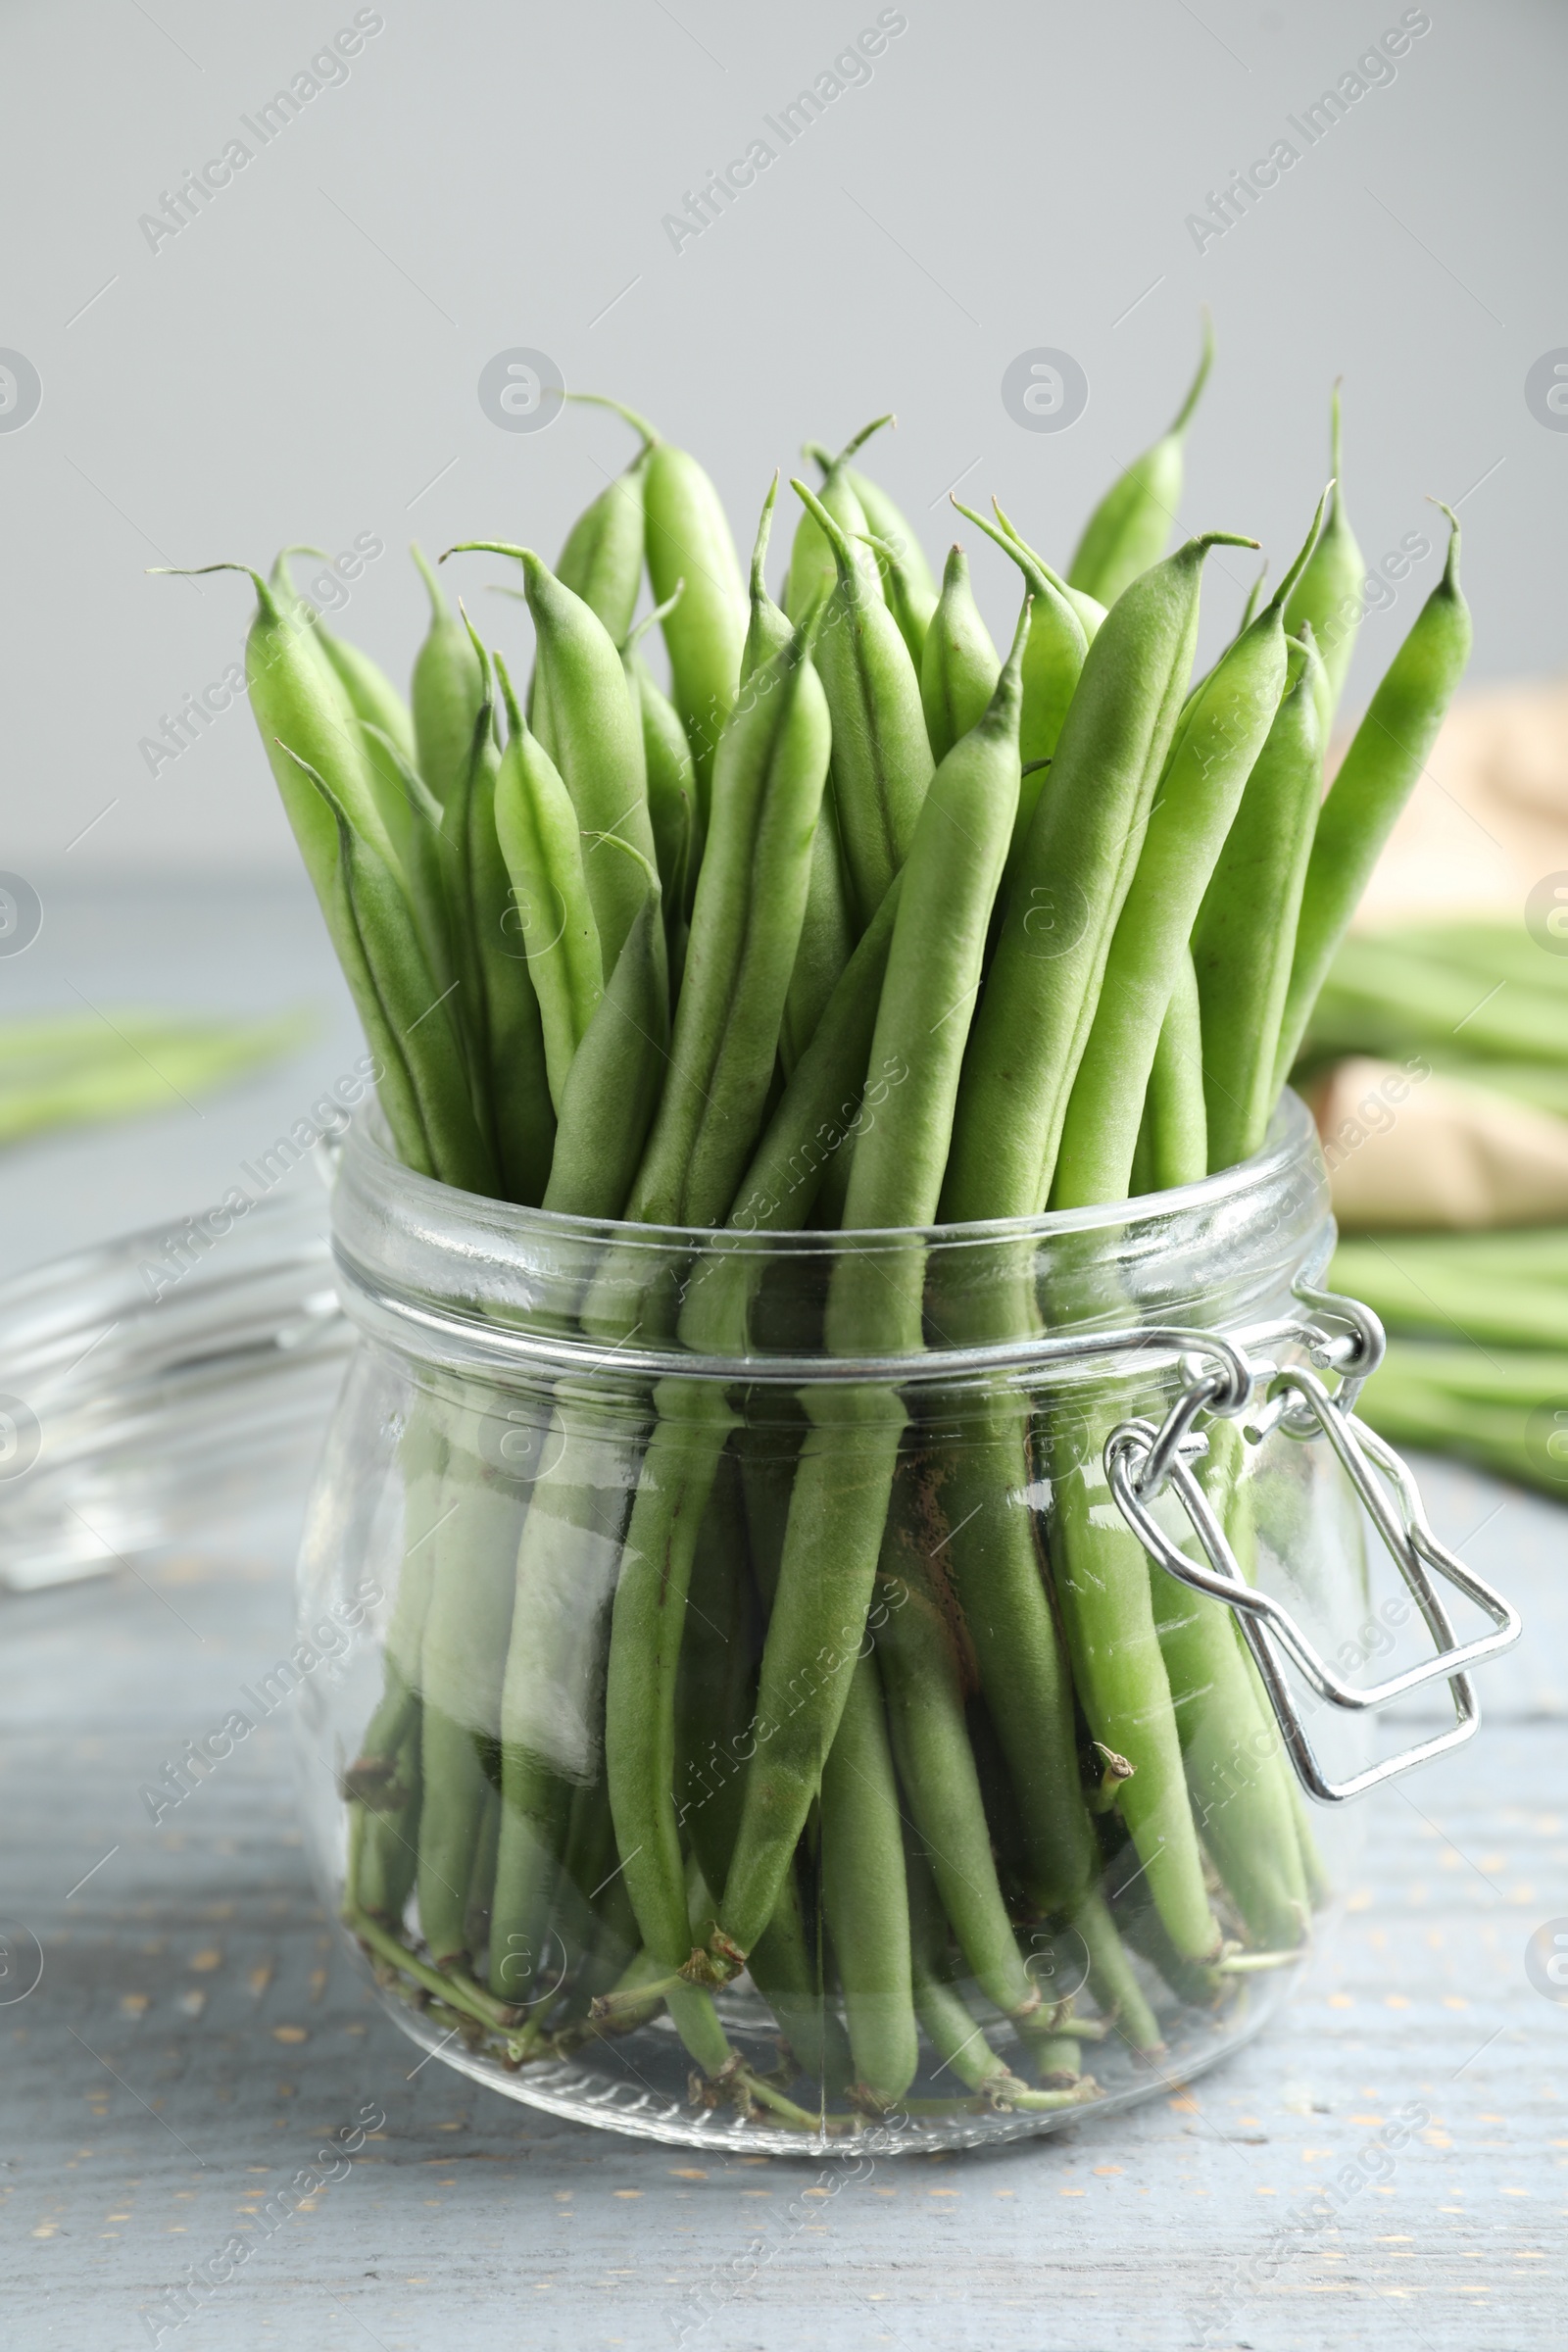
x=498 y=1292
x=365 y=1151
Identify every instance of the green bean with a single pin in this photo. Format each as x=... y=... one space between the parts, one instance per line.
x=1250 y=603
x=1245 y=930
x=536 y=826
x=1376 y=777
x=612 y=1087
x=768 y=629
x=1052 y=664
x=386 y=1778
x=602 y=561
x=671 y=786
x=865 y=1894
x=474 y=1550
x=910 y=605
x=517 y=1075
x=574 y=1471
x=827 y=928
x=887 y=523
x=926 y=1663
x=1328 y=597
x=1174 y=1107
x=594 y=736
x=476 y=1907
x=950 y=881
x=959 y=663
x=959 y=2042
x=295 y=700
x=1070 y=882
x=1230 y=1745
x=448 y=689
x=813 y=566
x=1127 y=532
x=373 y=698
x=827 y=1096
x=881 y=757
x=1121 y=1682
x=712 y=1712
x=424 y=1089
x=839 y=1505
x=389 y=1848
x=746 y=928
x=1200 y=790
x=673 y=1487
x=425 y=851
x=989 y=1552
x=688 y=538
x=1089 y=608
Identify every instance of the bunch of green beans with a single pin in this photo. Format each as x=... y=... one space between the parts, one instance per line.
x=789 y=1683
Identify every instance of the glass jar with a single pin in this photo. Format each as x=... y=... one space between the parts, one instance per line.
x=754 y=1717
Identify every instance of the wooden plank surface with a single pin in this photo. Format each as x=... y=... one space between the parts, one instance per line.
x=197 y=2031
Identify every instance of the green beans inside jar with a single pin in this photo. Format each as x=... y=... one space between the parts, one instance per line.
x=749 y=1738
x=848 y=1450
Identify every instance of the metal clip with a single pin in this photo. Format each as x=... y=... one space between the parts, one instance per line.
x=1141 y=1461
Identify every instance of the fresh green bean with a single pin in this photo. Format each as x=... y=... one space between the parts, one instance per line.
x=602 y=561
x=813 y=566
x=1200 y=790
x=573 y=1469
x=839 y=1505
x=536 y=826
x=425 y=851
x=887 y=523
x=865 y=1894
x=1089 y=608
x=448 y=690
x=907 y=600
x=675 y=1483
x=424 y=1089
x=926 y=1663
x=1328 y=597
x=671 y=786
x=746 y=928
x=1120 y=1674
x=1127 y=532
x=375 y=699
x=1230 y=1745
x=959 y=2042
x=1032 y=1024
x=959 y=663
x=594 y=736
x=517 y=1075
x=1174 y=1107
x=827 y=928
x=1052 y=664
x=1245 y=930
x=1375 y=778
x=614 y=1085
x=881 y=757
x=688 y=538
x=474 y=1548
x=295 y=700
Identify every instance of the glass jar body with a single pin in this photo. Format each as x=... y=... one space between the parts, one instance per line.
x=749 y=1715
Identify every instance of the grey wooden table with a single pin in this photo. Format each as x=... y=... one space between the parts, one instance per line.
x=196 y=2030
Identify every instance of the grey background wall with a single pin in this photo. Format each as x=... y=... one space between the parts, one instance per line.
x=302 y=359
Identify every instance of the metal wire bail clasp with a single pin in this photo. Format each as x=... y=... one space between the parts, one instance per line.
x=1141 y=1462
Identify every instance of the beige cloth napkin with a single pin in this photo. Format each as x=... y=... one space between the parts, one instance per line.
x=1407 y=1151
